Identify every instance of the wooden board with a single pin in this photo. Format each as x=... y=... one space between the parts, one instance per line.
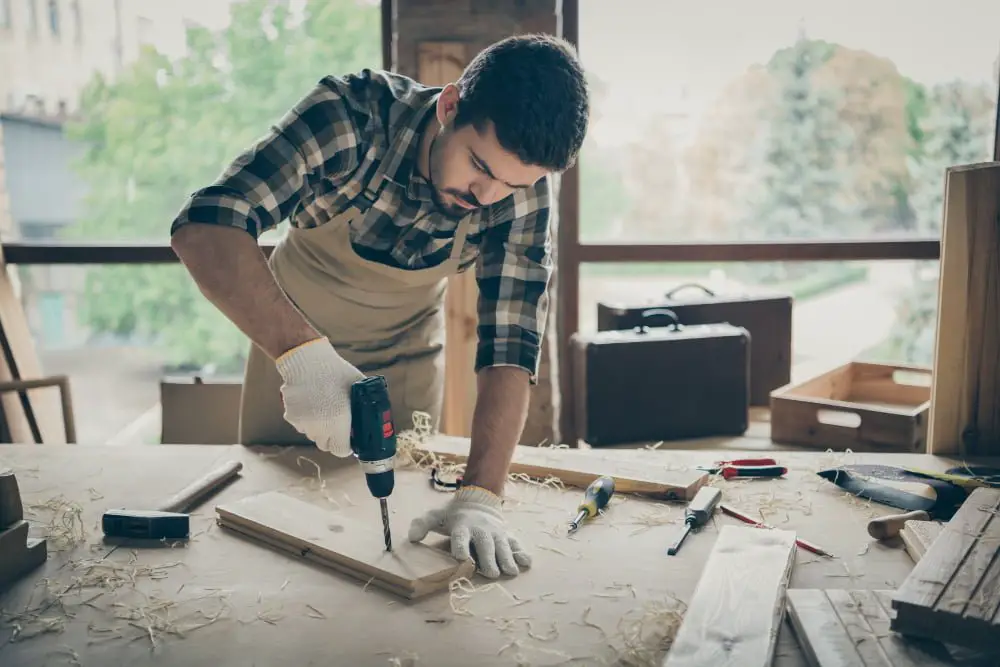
x=836 y=628
x=739 y=603
x=579 y=468
x=438 y=64
x=344 y=544
x=953 y=592
x=918 y=536
x=965 y=406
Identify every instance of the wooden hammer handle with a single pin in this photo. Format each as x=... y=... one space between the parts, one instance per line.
x=189 y=496
x=890 y=525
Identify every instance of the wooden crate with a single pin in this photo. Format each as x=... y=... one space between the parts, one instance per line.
x=858 y=406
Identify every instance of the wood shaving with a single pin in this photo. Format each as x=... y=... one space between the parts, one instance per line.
x=560 y=552
x=319 y=471
x=93 y=583
x=62 y=521
x=462 y=589
x=409 y=660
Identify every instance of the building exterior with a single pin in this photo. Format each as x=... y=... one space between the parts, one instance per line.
x=49 y=51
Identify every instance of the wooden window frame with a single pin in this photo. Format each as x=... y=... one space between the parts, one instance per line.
x=570 y=252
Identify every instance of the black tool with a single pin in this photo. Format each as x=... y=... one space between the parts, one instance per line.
x=373 y=441
x=697 y=513
x=170 y=520
x=595 y=498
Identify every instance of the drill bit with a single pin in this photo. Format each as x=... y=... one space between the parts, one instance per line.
x=385 y=524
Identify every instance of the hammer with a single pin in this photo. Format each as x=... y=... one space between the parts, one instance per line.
x=170 y=520
x=889 y=526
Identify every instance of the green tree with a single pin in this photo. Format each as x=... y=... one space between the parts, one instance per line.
x=956 y=129
x=164 y=129
x=603 y=198
x=804 y=183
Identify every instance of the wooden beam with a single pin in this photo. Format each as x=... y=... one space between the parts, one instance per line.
x=567 y=278
x=793 y=250
x=387 y=33
x=440 y=63
x=126 y=252
x=342 y=543
x=965 y=395
x=739 y=603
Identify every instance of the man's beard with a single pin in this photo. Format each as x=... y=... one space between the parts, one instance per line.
x=455 y=212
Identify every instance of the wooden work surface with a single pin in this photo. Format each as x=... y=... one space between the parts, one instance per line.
x=274 y=610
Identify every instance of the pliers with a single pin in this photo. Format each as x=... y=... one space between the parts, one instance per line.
x=746 y=468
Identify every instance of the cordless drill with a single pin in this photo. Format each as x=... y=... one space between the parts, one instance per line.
x=373 y=441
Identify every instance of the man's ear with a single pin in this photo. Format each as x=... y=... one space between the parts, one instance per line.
x=447 y=104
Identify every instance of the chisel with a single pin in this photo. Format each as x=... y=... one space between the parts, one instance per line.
x=697 y=513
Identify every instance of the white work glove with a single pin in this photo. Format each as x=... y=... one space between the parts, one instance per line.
x=473 y=518
x=317 y=394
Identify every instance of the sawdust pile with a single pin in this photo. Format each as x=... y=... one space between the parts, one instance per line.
x=113 y=588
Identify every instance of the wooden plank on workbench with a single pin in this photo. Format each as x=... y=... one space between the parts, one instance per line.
x=739 y=603
x=579 y=468
x=342 y=543
x=851 y=627
x=953 y=592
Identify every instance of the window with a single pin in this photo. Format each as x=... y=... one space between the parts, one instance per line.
x=32 y=16
x=787 y=121
x=5 y=17
x=54 y=17
x=77 y=21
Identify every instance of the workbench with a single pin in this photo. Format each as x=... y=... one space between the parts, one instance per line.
x=234 y=602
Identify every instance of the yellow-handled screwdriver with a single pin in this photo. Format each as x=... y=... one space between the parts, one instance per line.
x=595 y=498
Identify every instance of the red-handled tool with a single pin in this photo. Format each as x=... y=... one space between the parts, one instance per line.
x=762 y=467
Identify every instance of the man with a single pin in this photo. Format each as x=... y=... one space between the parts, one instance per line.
x=390 y=187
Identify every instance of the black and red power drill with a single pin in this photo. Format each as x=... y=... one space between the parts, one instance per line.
x=373 y=441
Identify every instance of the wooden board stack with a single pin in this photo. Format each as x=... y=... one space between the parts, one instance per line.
x=334 y=540
x=19 y=553
x=851 y=627
x=739 y=604
x=953 y=592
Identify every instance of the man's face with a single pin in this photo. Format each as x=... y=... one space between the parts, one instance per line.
x=469 y=169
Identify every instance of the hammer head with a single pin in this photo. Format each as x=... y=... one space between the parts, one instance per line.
x=146 y=524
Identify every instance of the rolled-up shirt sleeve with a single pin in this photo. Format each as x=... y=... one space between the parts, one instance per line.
x=316 y=138
x=513 y=273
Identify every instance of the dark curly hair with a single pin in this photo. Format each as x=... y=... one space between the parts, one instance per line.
x=534 y=90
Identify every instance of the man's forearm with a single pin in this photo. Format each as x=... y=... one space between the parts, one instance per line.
x=497 y=424
x=231 y=271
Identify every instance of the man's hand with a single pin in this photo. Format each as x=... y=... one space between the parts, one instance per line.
x=473 y=518
x=317 y=394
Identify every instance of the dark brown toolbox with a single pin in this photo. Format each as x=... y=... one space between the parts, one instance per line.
x=657 y=383
x=768 y=319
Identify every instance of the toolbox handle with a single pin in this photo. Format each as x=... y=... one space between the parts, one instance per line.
x=677 y=289
x=651 y=313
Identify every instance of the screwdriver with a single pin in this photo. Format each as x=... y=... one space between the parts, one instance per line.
x=595 y=498
x=697 y=513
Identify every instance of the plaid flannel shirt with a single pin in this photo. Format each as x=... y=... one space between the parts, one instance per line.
x=303 y=168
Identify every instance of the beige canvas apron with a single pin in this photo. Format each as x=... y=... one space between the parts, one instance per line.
x=385 y=320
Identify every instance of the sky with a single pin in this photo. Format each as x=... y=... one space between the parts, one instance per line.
x=672 y=55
